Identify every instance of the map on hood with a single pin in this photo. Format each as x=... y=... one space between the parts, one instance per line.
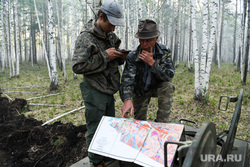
x=136 y=141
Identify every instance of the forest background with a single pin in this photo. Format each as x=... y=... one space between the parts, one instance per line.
x=209 y=40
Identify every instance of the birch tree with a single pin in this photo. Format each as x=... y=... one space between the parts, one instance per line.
x=3 y=37
x=17 y=39
x=211 y=44
x=63 y=44
x=176 y=45
x=247 y=46
x=204 y=45
x=190 y=57
x=73 y=31
x=54 y=79
x=235 y=28
x=195 y=51
x=44 y=47
x=9 y=43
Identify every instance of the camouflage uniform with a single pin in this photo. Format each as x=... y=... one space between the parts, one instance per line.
x=101 y=78
x=133 y=83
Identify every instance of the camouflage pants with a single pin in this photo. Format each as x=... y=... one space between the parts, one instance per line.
x=97 y=104
x=164 y=91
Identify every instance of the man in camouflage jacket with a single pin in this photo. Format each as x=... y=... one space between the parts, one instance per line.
x=148 y=73
x=96 y=57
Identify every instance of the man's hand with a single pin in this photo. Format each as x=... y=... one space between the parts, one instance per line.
x=147 y=57
x=113 y=53
x=128 y=105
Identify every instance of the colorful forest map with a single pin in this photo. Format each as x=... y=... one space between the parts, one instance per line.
x=148 y=137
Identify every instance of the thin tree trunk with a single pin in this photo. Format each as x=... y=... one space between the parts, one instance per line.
x=195 y=52
x=211 y=44
x=204 y=46
x=219 y=35
x=235 y=28
x=17 y=39
x=54 y=80
x=63 y=42
x=73 y=32
x=3 y=37
x=176 y=45
x=41 y=36
x=247 y=47
x=190 y=63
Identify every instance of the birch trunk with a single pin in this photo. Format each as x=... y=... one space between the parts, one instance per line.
x=211 y=43
x=204 y=46
x=96 y=6
x=190 y=39
x=128 y=25
x=176 y=45
x=17 y=40
x=73 y=31
x=41 y=36
x=242 y=38
x=235 y=28
x=195 y=52
x=63 y=43
x=3 y=37
x=247 y=47
x=54 y=80
x=11 y=45
x=8 y=38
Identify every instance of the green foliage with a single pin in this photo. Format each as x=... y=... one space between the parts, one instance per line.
x=181 y=102
x=62 y=100
x=58 y=141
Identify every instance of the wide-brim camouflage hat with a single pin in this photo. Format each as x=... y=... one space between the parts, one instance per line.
x=147 y=29
x=114 y=12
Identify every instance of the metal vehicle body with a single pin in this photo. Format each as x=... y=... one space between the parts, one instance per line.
x=209 y=149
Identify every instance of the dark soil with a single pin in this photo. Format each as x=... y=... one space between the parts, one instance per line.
x=24 y=142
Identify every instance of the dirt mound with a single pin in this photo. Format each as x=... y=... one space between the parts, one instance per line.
x=24 y=142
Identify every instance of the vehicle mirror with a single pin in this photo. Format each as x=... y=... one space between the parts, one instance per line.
x=223 y=103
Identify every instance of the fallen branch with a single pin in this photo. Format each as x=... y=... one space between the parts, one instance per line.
x=50 y=105
x=20 y=92
x=42 y=96
x=26 y=87
x=63 y=115
x=7 y=97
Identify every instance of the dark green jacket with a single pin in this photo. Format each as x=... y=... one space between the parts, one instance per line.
x=133 y=80
x=91 y=60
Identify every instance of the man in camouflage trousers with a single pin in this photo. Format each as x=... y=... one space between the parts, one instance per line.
x=97 y=58
x=148 y=73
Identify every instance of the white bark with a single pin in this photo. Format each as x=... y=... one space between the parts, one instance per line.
x=195 y=51
x=41 y=36
x=63 y=47
x=96 y=6
x=73 y=27
x=211 y=43
x=128 y=24
x=54 y=79
x=17 y=40
x=3 y=39
x=8 y=38
x=204 y=46
x=219 y=33
x=73 y=30
x=11 y=44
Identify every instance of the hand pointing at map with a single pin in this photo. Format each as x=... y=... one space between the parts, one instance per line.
x=126 y=107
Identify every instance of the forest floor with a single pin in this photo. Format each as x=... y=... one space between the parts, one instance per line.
x=24 y=142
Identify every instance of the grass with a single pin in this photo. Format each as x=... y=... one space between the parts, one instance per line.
x=223 y=81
